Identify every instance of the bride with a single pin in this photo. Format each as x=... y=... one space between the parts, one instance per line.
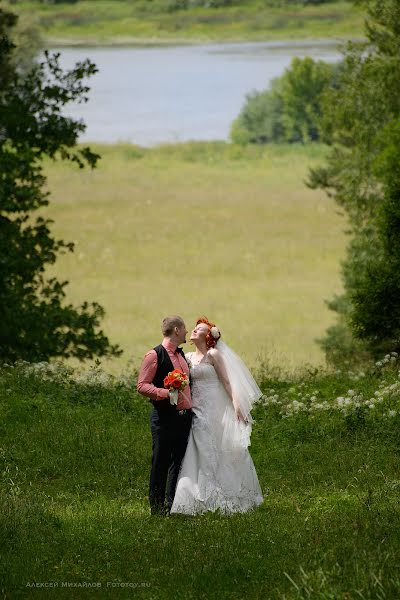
x=217 y=471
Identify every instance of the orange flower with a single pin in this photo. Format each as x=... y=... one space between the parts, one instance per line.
x=176 y=379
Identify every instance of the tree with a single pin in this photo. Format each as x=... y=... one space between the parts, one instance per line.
x=35 y=322
x=290 y=109
x=260 y=120
x=361 y=117
x=301 y=89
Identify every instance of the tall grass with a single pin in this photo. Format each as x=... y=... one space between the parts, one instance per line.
x=202 y=228
x=75 y=458
x=118 y=21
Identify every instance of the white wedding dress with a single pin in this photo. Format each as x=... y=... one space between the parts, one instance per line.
x=213 y=477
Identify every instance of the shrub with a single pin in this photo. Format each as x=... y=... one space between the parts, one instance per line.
x=260 y=120
x=290 y=110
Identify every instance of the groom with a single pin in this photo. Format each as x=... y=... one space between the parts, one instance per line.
x=170 y=424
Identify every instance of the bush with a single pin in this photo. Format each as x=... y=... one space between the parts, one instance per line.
x=260 y=120
x=290 y=110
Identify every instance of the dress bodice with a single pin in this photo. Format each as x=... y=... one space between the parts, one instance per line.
x=203 y=371
x=205 y=383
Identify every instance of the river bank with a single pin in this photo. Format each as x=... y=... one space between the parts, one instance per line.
x=118 y=23
x=137 y=102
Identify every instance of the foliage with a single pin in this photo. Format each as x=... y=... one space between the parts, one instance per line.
x=113 y=22
x=35 y=323
x=290 y=110
x=261 y=118
x=376 y=295
x=301 y=89
x=361 y=119
x=27 y=39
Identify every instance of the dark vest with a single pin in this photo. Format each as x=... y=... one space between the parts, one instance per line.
x=164 y=366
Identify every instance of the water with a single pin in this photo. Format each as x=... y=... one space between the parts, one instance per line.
x=172 y=94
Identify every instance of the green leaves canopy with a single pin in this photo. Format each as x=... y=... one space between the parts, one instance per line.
x=361 y=117
x=36 y=324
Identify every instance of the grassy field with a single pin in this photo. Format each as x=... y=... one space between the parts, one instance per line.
x=74 y=463
x=202 y=228
x=120 y=22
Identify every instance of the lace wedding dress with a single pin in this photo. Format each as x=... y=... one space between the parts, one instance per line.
x=213 y=477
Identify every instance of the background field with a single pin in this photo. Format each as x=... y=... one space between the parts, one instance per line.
x=120 y=22
x=202 y=228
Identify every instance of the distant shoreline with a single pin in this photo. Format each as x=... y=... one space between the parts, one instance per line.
x=118 y=23
x=163 y=43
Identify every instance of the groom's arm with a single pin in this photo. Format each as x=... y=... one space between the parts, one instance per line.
x=146 y=376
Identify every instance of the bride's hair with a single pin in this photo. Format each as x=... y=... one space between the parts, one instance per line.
x=210 y=340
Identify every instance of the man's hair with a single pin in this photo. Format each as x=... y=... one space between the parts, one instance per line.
x=169 y=323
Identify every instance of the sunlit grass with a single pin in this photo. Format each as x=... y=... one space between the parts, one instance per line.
x=202 y=228
x=103 y=21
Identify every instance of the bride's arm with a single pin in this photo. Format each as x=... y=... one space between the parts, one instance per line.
x=219 y=366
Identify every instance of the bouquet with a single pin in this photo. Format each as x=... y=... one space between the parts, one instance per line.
x=175 y=382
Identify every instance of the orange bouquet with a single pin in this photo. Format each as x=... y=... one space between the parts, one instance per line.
x=175 y=381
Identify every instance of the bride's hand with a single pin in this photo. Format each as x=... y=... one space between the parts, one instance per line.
x=238 y=413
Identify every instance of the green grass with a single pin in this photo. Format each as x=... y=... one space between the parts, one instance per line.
x=202 y=228
x=120 y=22
x=74 y=469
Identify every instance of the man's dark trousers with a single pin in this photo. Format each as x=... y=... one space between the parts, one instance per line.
x=170 y=432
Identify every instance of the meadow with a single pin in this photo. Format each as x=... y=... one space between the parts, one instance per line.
x=202 y=228
x=103 y=22
x=74 y=518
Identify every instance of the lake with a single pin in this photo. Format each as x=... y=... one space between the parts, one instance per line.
x=159 y=94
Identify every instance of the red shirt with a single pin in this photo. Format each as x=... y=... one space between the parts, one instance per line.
x=148 y=370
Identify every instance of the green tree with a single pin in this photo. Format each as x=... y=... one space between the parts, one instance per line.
x=36 y=323
x=260 y=120
x=290 y=109
x=301 y=89
x=27 y=40
x=361 y=117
